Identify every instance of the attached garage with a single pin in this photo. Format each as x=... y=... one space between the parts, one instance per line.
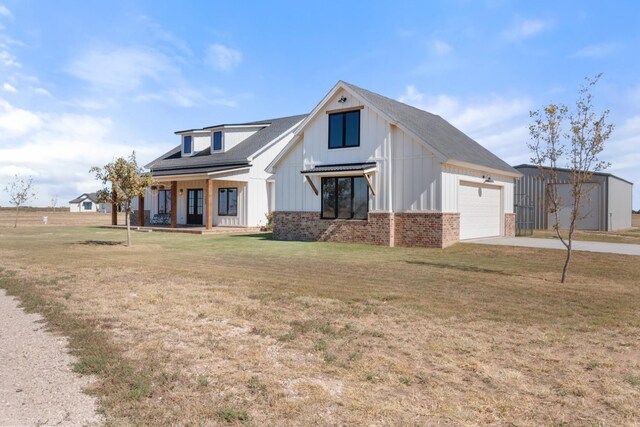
x=480 y=210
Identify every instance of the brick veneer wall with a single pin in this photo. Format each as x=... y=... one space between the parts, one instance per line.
x=308 y=226
x=426 y=229
x=409 y=229
x=510 y=225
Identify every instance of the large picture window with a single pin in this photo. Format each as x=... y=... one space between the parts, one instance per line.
x=216 y=143
x=87 y=206
x=164 y=201
x=228 y=201
x=345 y=198
x=344 y=129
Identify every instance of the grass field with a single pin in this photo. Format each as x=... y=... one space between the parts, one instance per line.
x=195 y=330
x=34 y=217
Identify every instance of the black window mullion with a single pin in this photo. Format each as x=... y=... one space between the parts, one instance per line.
x=335 y=198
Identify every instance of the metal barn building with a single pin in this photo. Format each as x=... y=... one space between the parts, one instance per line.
x=607 y=206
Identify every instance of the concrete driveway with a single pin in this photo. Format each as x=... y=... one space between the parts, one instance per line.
x=530 y=242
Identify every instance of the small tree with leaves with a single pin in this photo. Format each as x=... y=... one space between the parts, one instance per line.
x=123 y=180
x=577 y=148
x=20 y=191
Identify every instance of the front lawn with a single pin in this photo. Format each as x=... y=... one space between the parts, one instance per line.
x=228 y=329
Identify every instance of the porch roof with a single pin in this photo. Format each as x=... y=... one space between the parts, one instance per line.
x=343 y=167
x=199 y=170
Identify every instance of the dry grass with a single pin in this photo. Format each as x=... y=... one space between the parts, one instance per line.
x=30 y=217
x=631 y=235
x=246 y=330
x=635 y=220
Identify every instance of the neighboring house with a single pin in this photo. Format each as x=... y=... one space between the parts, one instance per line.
x=88 y=202
x=605 y=207
x=365 y=168
x=216 y=176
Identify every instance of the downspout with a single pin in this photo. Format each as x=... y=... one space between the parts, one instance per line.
x=606 y=205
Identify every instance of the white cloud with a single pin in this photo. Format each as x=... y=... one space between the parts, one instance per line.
x=16 y=121
x=41 y=91
x=8 y=88
x=5 y=12
x=57 y=149
x=8 y=60
x=441 y=48
x=597 y=51
x=223 y=58
x=121 y=69
x=523 y=29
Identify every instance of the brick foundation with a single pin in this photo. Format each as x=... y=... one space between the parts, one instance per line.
x=408 y=229
x=510 y=225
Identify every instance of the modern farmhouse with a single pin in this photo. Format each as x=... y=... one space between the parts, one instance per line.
x=88 y=202
x=365 y=168
x=216 y=176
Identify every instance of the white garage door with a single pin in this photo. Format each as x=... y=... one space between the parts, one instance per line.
x=480 y=212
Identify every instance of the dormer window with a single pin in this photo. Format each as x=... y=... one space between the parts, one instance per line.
x=186 y=144
x=216 y=141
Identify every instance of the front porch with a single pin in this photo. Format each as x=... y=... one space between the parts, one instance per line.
x=194 y=205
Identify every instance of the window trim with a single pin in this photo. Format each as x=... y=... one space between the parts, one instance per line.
x=167 y=208
x=227 y=189
x=221 y=141
x=191 y=147
x=335 y=201
x=344 y=128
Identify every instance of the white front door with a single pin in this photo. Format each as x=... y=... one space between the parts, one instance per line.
x=480 y=210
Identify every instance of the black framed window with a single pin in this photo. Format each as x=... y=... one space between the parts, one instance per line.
x=344 y=129
x=227 y=201
x=87 y=206
x=217 y=141
x=345 y=198
x=186 y=144
x=164 y=201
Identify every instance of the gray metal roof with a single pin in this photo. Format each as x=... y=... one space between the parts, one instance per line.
x=435 y=131
x=526 y=166
x=193 y=171
x=344 y=167
x=91 y=196
x=172 y=161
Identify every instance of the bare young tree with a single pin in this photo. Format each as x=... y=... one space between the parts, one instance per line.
x=123 y=180
x=578 y=148
x=54 y=203
x=20 y=191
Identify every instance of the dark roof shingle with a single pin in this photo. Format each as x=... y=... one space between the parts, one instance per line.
x=435 y=131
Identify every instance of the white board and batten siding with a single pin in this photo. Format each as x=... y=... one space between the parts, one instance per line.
x=481 y=205
x=414 y=185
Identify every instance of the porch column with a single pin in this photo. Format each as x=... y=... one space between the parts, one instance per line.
x=141 y=210
x=114 y=209
x=208 y=205
x=174 y=204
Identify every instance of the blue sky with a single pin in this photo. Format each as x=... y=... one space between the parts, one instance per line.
x=82 y=82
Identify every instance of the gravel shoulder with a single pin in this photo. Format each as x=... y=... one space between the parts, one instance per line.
x=37 y=384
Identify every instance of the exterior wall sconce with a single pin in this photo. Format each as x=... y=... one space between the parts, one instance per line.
x=487 y=178
x=181 y=191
